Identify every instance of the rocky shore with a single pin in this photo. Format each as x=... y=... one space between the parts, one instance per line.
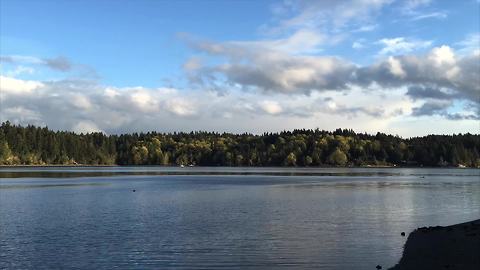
x=451 y=247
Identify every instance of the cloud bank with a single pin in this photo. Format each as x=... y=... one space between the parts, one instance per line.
x=262 y=86
x=428 y=76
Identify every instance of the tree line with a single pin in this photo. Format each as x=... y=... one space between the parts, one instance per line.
x=31 y=145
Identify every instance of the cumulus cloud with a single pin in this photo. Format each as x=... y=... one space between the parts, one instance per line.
x=421 y=93
x=271 y=70
x=440 y=73
x=440 y=68
x=440 y=107
x=10 y=85
x=22 y=115
x=274 y=71
x=431 y=108
x=181 y=107
x=85 y=106
x=271 y=107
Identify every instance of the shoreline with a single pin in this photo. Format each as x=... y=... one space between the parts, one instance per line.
x=449 y=247
x=198 y=166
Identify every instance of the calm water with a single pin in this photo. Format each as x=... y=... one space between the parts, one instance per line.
x=223 y=218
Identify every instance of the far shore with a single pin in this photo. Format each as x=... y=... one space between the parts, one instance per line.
x=166 y=166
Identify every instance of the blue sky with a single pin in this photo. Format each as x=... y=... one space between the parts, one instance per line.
x=127 y=42
x=122 y=66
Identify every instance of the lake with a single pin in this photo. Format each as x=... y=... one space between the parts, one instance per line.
x=223 y=218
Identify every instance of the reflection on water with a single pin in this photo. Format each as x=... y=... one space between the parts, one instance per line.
x=50 y=185
x=233 y=218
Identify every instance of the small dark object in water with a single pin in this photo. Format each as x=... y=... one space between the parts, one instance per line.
x=378 y=267
x=403 y=233
x=134 y=190
x=422 y=176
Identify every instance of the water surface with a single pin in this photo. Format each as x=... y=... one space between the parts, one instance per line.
x=223 y=218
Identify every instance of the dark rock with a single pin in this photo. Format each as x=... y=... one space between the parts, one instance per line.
x=433 y=248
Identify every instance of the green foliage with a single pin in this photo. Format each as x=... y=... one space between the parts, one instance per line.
x=337 y=158
x=38 y=146
x=308 y=161
x=6 y=157
x=290 y=160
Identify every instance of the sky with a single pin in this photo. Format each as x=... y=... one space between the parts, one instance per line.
x=407 y=68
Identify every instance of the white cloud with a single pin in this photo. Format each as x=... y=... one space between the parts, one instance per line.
x=443 y=55
x=111 y=93
x=271 y=70
x=19 y=70
x=246 y=68
x=331 y=15
x=86 y=127
x=114 y=110
x=401 y=45
x=358 y=44
x=142 y=99
x=396 y=67
x=20 y=114
x=271 y=107
x=366 y=28
x=411 y=5
x=301 y=42
x=180 y=107
x=432 y=15
x=9 y=85
x=80 y=101
x=310 y=26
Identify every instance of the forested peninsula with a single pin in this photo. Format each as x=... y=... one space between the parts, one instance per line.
x=31 y=145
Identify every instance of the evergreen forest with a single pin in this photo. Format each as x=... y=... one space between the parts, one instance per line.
x=31 y=145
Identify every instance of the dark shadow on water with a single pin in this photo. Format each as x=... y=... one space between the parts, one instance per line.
x=70 y=174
